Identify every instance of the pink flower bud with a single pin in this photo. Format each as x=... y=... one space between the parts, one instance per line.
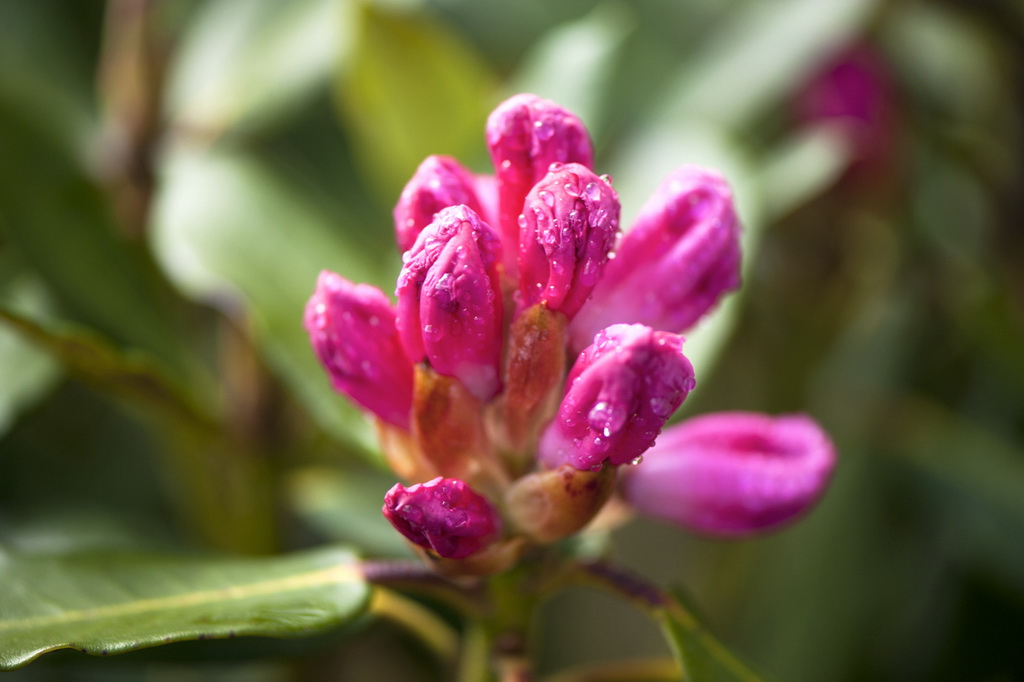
x=525 y=135
x=732 y=473
x=620 y=392
x=352 y=329
x=449 y=300
x=569 y=225
x=682 y=254
x=855 y=89
x=439 y=182
x=444 y=515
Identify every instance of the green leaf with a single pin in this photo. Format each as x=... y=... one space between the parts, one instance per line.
x=28 y=371
x=700 y=655
x=247 y=62
x=411 y=89
x=345 y=507
x=132 y=377
x=107 y=603
x=972 y=479
x=801 y=167
x=761 y=55
x=573 y=64
x=230 y=232
x=60 y=223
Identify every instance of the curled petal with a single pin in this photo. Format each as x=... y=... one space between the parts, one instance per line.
x=681 y=256
x=569 y=225
x=439 y=182
x=619 y=395
x=525 y=135
x=449 y=300
x=444 y=515
x=732 y=473
x=352 y=329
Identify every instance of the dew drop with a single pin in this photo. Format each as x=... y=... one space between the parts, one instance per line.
x=544 y=129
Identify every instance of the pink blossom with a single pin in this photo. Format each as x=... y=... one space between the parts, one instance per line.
x=732 y=473
x=525 y=135
x=569 y=225
x=444 y=515
x=449 y=300
x=681 y=256
x=621 y=391
x=352 y=329
x=439 y=182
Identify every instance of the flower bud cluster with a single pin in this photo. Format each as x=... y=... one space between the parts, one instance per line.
x=533 y=354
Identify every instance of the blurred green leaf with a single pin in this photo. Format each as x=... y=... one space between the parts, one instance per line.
x=45 y=63
x=801 y=167
x=107 y=603
x=973 y=480
x=701 y=657
x=60 y=223
x=935 y=46
x=133 y=378
x=411 y=89
x=572 y=64
x=345 y=507
x=761 y=54
x=247 y=62
x=231 y=233
x=28 y=372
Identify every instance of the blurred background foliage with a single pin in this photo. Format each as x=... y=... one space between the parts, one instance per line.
x=174 y=174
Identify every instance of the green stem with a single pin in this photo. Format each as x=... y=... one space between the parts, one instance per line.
x=434 y=632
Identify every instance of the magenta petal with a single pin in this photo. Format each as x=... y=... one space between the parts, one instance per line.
x=525 y=135
x=444 y=515
x=681 y=256
x=568 y=228
x=439 y=182
x=352 y=329
x=619 y=395
x=732 y=473
x=449 y=300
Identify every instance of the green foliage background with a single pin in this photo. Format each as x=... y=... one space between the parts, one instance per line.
x=174 y=174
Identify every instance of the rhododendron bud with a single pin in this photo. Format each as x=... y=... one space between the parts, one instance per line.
x=732 y=473
x=439 y=182
x=449 y=300
x=553 y=504
x=854 y=88
x=569 y=225
x=619 y=394
x=681 y=256
x=444 y=515
x=352 y=329
x=525 y=135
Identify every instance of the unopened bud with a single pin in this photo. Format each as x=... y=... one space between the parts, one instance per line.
x=551 y=505
x=619 y=394
x=444 y=515
x=681 y=256
x=569 y=225
x=449 y=300
x=732 y=473
x=352 y=329
x=439 y=182
x=525 y=135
